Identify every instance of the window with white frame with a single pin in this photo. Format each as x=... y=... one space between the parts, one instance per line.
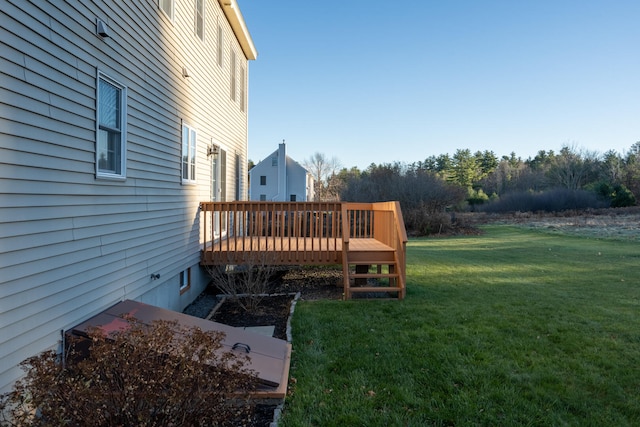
x=111 y=128
x=189 y=143
x=223 y=175
x=167 y=7
x=219 y=187
x=185 y=280
x=233 y=75
x=199 y=24
x=238 y=176
x=243 y=93
x=219 y=45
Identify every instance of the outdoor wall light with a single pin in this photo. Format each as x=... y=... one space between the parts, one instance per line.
x=212 y=150
x=155 y=276
x=101 y=29
x=185 y=72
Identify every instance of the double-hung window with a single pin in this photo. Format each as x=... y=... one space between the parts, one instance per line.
x=167 y=7
x=219 y=45
x=189 y=140
x=111 y=128
x=199 y=24
x=233 y=76
x=243 y=93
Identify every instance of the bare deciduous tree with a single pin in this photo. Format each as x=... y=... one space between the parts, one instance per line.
x=322 y=169
x=571 y=168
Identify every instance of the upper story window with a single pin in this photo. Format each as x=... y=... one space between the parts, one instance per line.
x=243 y=93
x=219 y=45
x=167 y=7
x=199 y=24
x=189 y=144
x=263 y=180
x=111 y=128
x=233 y=75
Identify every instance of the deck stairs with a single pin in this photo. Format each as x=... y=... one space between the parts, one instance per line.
x=372 y=274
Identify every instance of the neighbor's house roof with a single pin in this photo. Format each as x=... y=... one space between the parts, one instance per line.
x=232 y=12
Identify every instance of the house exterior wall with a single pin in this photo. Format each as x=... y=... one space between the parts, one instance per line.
x=71 y=243
x=269 y=185
x=297 y=181
x=283 y=177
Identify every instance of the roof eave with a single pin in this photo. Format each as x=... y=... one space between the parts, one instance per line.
x=234 y=16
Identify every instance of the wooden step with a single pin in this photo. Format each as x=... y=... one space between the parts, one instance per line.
x=373 y=262
x=375 y=289
x=374 y=275
x=370 y=258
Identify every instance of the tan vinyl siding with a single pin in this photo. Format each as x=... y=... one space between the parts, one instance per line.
x=71 y=244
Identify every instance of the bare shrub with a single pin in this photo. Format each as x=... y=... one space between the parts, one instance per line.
x=556 y=200
x=424 y=223
x=248 y=282
x=143 y=376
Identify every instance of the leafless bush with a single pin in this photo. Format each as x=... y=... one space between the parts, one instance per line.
x=556 y=200
x=144 y=376
x=423 y=223
x=248 y=282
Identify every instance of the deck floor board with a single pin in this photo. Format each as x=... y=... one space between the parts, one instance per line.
x=260 y=249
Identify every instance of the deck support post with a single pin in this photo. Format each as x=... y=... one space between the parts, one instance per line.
x=361 y=269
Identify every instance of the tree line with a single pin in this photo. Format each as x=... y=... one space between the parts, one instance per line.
x=431 y=189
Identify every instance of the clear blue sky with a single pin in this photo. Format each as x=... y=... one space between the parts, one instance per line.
x=373 y=81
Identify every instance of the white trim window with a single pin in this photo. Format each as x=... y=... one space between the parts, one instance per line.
x=167 y=7
x=185 y=280
x=233 y=76
x=189 y=144
x=199 y=14
x=111 y=128
x=219 y=45
x=243 y=89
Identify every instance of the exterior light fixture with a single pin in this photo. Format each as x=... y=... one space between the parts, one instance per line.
x=185 y=72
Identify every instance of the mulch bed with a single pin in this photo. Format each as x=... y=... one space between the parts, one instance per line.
x=311 y=283
x=273 y=310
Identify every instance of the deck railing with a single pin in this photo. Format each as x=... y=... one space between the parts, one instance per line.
x=384 y=223
x=296 y=232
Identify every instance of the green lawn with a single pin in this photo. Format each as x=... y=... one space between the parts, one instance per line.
x=513 y=327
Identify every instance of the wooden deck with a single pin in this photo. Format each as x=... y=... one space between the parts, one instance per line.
x=355 y=235
x=295 y=250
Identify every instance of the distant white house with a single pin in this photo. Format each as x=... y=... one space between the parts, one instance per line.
x=280 y=178
x=117 y=118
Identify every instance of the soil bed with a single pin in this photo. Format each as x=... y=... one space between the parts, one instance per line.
x=272 y=311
